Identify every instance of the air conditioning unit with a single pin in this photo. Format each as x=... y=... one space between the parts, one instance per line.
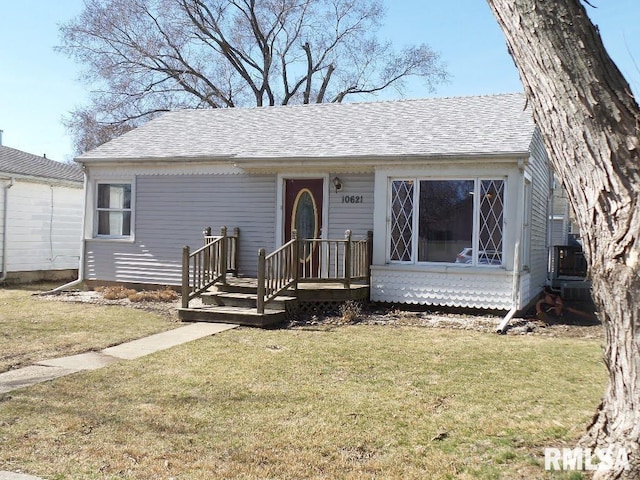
x=569 y=263
x=569 y=272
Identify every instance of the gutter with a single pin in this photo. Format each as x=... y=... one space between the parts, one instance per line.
x=240 y=160
x=5 y=219
x=83 y=244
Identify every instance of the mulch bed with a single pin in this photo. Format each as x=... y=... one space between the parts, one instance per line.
x=570 y=324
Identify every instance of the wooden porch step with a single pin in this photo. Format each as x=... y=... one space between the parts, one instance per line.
x=235 y=301
x=238 y=285
x=249 y=300
x=234 y=315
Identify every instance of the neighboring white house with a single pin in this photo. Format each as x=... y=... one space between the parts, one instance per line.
x=455 y=190
x=40 y=217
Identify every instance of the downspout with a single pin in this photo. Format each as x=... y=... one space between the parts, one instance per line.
x=515 y=289
x=5 y=220
x=80 y=278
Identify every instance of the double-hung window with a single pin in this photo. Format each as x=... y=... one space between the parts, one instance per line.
x=447 y=221
x=113 y=210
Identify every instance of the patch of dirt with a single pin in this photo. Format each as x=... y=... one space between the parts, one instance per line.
x=166 y=309
x=583 y=324
x=577 y=325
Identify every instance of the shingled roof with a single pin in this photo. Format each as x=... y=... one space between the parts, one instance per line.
x=455 y=126
x=17 y=162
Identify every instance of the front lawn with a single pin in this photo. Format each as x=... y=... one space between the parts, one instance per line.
x=350 y=402
x=34 y=328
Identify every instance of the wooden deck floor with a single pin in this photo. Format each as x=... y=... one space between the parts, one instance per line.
x=313 y=292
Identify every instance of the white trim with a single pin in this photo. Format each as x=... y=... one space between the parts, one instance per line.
x=476 y=179
x=374 y=160
x=280 y=179
x=110 y=170
x=54 y=182
x=94 y=218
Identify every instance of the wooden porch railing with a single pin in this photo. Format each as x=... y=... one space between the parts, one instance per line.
x=232 y=247
x=276 y=271
x=208 y=264
x=338 y=260
x=331 y=261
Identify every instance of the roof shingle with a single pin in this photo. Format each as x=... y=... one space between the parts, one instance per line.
x=482 y=125
x=17 y=162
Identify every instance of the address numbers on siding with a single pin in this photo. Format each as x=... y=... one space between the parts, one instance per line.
x=352 y=198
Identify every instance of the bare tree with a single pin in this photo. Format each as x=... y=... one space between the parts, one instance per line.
x=589 y=120
x=149 y=56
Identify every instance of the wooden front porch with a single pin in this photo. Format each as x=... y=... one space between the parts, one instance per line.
x=301 y=273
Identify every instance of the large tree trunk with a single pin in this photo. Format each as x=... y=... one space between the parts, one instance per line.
x=589 y=120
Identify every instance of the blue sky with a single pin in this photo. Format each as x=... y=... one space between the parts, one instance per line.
x=39 y=86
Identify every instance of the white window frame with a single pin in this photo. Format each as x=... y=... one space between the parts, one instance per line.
x=415 y=220
x=131 y=210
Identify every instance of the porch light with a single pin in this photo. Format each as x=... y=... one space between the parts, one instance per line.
x=337 y=183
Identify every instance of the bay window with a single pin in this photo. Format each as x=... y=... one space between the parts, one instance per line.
x=113 y=210
x=447 y=221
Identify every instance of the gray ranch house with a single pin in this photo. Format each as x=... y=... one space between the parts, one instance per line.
x=454 y=190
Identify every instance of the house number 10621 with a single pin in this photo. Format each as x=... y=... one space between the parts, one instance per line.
x=352 y=198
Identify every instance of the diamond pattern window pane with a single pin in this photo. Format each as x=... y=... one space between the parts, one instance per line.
x=491 y=222
x=401 y=220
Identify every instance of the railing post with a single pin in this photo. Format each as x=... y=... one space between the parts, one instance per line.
x=223 y=260
x=236 y=250
x=296 y=258
x=369 y=258
x=207 y=255
x=186 y=289
x=347 y=259
x=261 y=280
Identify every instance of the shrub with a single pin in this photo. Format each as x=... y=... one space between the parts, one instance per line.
x=350 y=311
x=164 y=295
x=116 y=292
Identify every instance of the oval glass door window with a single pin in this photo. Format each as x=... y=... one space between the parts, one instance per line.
x=305 y=220
x=305 y=215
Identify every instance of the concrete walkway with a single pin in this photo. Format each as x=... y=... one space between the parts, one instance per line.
x=17 y=476
x=59 y=367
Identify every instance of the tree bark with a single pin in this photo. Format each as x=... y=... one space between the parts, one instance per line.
x=589 y=121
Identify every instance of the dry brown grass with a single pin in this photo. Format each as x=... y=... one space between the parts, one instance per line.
x=115 y=292
x=118 y=292
x=351 y=402
x=166 y=295
x=33 y=328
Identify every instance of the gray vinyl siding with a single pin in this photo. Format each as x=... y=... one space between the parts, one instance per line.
x=357 y=217
x=540 y=171
x=172 y=211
